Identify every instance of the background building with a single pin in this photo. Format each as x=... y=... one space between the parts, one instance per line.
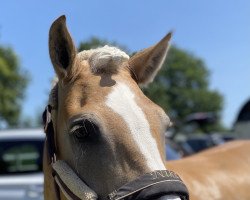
x=242 y=123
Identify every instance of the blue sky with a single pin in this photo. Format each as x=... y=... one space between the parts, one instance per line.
x=216 y=31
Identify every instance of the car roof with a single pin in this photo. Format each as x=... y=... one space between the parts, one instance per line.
x=22 y=134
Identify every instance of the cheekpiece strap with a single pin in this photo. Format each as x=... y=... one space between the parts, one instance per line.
x=49 y=130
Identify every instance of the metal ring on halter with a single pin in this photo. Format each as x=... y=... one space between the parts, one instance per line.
x=48 y=118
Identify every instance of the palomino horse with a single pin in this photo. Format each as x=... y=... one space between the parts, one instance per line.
x=104 y=134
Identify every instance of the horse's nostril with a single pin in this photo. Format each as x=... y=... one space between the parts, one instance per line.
x=169 y=197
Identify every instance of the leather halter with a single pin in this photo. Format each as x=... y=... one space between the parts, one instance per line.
x=61 y=171
x=149 y=186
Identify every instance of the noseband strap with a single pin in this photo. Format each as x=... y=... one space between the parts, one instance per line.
x=152 y=185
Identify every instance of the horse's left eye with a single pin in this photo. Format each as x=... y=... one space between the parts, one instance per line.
x=84 y=130
x=81 y=133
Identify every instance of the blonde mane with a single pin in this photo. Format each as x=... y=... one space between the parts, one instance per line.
x=104 y=59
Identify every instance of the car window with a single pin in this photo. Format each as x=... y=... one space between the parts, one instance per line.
x=172 y=154
x=199 y=144
x=20 y=156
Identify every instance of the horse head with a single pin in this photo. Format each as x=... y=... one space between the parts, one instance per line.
x=106 y=130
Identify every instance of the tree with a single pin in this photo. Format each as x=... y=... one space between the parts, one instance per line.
x=13 y=82
x=95 y=42
x=182 y=88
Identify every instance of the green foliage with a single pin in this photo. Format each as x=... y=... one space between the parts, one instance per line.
x=94 y=42
x=182 y=88
x=13 y=82
x=91 y=44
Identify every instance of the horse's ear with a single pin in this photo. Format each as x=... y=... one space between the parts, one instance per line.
x=146 y=63
x=61 y=47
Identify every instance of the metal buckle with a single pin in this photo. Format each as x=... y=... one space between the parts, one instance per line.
x=48 y=118
x=53 y=158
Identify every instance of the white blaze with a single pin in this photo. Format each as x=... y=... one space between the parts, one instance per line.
x=121 y=101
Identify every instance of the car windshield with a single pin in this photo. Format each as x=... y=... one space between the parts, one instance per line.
x=20 y=156
x=199 y=144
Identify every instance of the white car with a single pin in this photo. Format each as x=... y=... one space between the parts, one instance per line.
x=21 y=152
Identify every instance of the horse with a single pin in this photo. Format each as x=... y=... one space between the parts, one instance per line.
x=105 y=138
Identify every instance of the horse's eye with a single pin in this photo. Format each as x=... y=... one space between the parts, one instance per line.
x=81 y=133
x=83 y=130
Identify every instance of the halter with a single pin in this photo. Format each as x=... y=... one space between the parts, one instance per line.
x=149 y=186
